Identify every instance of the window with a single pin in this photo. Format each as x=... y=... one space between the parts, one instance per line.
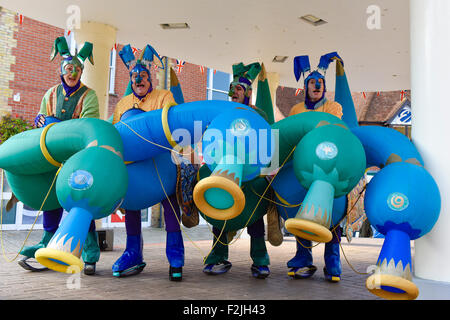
x=218 y=84
x=20 y=217
x=112 y=71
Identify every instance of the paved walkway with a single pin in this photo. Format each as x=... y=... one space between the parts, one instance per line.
x=238 y=284
x=153 y=282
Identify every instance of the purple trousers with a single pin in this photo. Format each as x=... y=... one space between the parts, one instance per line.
x=52 y=218
x=171 y=218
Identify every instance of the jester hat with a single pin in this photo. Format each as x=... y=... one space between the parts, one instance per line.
x=244 y=75
x=60 y=46
x=142 y=63
x=301 y=66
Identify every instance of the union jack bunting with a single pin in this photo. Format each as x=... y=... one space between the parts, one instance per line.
x=202 y=69
x=297 y=92
x=180 y=65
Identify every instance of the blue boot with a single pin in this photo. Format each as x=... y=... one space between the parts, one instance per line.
x=333 y=269
x=175 y=255
x=300 y=265
x=131 y=262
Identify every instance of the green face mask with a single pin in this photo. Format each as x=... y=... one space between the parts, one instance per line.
x=236 y=83
x=75 y=62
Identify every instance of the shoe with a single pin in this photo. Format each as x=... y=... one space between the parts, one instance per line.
x=89 y=268
x=175 y=274
x=331 y=277
x=302 y=272
x=131 y=262
x=29 y=264
x=260 y=272
x=218 y=268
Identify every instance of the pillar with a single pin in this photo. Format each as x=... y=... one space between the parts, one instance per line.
x=430 y=77
x=96 y=76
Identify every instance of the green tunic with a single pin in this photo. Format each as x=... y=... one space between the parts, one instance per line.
x=82 y=103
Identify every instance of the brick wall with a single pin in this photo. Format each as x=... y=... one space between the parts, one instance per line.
x=33 y=72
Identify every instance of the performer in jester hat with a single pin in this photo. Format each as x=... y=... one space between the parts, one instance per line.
x=144 y=97
x=301 y=266
x=217 y=261
x=70 y=99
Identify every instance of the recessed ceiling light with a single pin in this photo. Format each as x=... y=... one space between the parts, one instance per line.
x=279 y=59
x=312 y=19
x=177 y=25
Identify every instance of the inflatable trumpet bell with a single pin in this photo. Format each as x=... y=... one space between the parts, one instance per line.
x=313 y=219
x=328 y=162
x=63 y=252
x=392 y=278
x=220 y=196
x=402 y=202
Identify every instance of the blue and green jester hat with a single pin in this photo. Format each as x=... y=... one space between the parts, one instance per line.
x=60 y=46
x=302 y=65
x=142 y=63
x=244 y=75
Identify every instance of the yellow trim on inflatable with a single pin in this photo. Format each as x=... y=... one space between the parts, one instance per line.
x=283 y=201
x=222 y=183
x=44 y=149
x=47 y=257
x=375 y=282
x=165 y=125
x=308 y=230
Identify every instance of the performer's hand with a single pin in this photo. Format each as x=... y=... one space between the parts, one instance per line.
x=39 y=121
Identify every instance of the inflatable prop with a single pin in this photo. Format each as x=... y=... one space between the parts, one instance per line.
x=84 y=154
x=402 y=200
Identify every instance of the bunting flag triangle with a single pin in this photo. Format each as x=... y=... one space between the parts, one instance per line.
x=202 y=69
x=298 y=91
x=263 y=96
x=20 y=17
x=402 y=94
x=180 y=65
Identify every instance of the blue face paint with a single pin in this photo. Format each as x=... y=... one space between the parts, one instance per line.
x=316 y=76
x=138 y=68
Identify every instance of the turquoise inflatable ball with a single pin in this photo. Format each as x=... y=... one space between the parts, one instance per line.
x=330 y=153
x=403 y=195
x=240 y=136
x=94 y=179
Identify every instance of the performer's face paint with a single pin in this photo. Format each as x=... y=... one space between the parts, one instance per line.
x=140 y=83
x=72 y=74
x=315 y=89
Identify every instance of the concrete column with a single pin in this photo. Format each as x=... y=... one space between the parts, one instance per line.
x=96 y=77
x=430 y=76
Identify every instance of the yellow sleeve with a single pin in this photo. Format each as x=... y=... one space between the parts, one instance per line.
x=334 y=108
x=298 y=108
x=168 y=98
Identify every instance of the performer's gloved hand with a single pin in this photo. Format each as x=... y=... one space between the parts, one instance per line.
x=42 y=120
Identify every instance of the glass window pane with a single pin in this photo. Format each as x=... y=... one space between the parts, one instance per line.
x=219 y=96
x=29 y=215
x=9 y=217
x=221 y=81
x=6 y=187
